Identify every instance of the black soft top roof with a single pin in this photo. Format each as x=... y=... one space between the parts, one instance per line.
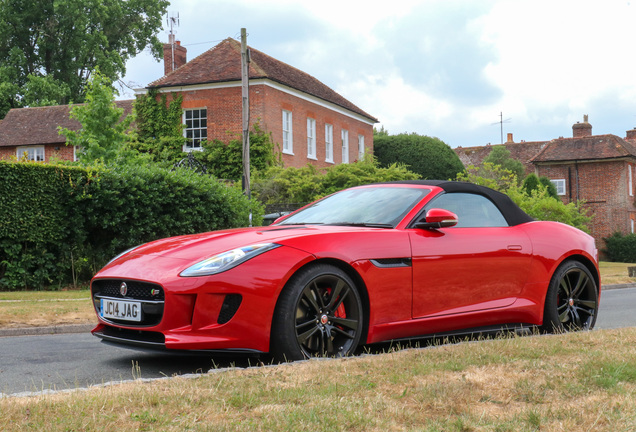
x=511 y=211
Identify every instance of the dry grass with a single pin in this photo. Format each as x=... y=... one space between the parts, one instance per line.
x=576 y=382
x=45 y=308
x=615 y=273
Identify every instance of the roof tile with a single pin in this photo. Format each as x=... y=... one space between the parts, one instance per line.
x=222 y=63
x=38 y=125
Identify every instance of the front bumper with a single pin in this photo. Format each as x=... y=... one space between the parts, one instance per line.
x=229 y=311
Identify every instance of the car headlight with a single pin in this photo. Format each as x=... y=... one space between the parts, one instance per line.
x=227 y=260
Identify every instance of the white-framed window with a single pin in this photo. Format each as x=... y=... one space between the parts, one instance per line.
x=288 y=135
x=196 y=128
x=32 y=153
x=559 y=184
x=630 y=180
x=345 y=146
x=311 y=138
x=329 y=143
x=360 y=147
x=632 y=221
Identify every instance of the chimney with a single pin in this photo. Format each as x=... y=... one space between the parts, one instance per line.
x=580 y=130
x=174 y=55
x=510 y=140
x=631 y=134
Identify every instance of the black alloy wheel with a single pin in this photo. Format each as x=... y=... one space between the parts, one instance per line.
x=572 y=300
x=319 y=315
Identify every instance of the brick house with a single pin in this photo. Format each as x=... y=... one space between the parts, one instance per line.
x=309 y=121
x=33 y=133
x=598 y=169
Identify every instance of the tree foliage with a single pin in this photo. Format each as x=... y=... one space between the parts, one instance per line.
x=48 y=48
x=490 y=175
x=532 y=182
x=103 y=130
x=158 y=132
x=500 y=155
x=429 y=157
x=278 y=185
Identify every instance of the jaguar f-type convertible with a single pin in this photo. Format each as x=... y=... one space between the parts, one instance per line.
x=369 y=264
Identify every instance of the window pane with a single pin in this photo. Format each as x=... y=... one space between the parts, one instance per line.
x=472 y=210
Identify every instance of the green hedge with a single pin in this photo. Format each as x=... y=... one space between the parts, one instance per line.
x=621 y=248
x=60 y=224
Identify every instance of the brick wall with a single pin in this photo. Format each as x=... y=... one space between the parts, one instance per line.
x=224 y=110
x=277 y=101
x=605 y=188
x=51 y=151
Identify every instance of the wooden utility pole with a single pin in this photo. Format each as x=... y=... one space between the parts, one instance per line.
x=245 y=61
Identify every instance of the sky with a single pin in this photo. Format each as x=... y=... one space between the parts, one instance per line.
x=457 y=70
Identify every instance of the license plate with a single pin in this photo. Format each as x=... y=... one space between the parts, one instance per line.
x=121 y=310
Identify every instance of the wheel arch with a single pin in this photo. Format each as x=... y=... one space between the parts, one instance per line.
x=352 y=273
x=588 y=263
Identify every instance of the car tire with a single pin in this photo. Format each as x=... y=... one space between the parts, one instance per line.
x=319 y=314
x=571 y=302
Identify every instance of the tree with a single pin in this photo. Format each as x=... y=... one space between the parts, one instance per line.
x=500 y=155
x=103 y=131
x=49 y=48
x=532 y=182
x=278 y=185
x=429 y=157
x=225 y=160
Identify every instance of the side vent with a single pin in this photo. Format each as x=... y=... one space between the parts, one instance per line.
x=391 y=262
x=229 y=307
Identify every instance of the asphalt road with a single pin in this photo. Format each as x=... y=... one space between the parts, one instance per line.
x=68 y=361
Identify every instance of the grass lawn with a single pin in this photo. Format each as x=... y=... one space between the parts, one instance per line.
x=582 y=381
x=45 y=308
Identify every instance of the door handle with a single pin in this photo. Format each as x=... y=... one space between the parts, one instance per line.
x=514 y=247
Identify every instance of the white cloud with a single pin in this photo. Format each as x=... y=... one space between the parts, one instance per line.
x=445 y=68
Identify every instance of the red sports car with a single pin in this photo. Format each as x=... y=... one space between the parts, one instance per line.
x=368 y=264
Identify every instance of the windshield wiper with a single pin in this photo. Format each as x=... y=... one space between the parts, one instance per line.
x=301 y=223
x=362 y=224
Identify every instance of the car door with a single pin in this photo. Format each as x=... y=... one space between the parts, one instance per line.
x=481 y=263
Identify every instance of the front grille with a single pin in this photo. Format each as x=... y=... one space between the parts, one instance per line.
x=136 y=290
x=151 y=296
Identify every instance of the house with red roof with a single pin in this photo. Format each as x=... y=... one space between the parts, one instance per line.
x=597 y=169
x=32 y=133
x=309 y=122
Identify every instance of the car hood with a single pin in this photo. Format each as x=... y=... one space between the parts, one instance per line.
x=349 y=244
x=200 y=246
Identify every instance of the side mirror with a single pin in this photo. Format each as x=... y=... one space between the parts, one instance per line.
x=437 y=218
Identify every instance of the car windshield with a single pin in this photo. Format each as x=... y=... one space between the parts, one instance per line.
x=368 y=206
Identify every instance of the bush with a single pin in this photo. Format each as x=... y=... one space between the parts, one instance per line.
x=621 y=248
x=58 y=225
x=37 y=222
x=428 y=157
x=279 y=185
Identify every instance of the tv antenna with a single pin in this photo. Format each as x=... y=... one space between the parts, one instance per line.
x=173 y=21
x=500 y=123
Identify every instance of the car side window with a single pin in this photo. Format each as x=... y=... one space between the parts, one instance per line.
x=473 y=211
